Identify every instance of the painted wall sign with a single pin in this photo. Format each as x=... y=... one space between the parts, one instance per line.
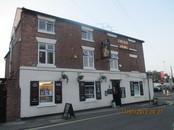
x=123 y=47
x=123 y=44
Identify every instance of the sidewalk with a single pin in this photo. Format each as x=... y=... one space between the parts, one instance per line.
x=54 y=119
x=164 y=99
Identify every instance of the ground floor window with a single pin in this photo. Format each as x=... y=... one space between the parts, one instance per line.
x=136 y=88
x=46 y=92
x=89 y=90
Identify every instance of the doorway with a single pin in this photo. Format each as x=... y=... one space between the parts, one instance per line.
x=116 y=92
x=3 y=97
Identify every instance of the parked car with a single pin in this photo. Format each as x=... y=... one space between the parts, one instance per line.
x=157 y=88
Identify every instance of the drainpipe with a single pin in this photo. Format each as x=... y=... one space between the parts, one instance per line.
x=10 y=62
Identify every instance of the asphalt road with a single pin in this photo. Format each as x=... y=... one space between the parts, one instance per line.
x=159 y=118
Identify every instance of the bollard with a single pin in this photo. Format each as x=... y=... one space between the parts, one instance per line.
x=113 y=104
x=155 y=101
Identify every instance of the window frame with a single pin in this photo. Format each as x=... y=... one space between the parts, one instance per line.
x=46 y=41
x=112 y=60
x=53 y=94
x=89 y=34
x=89 y=49
x=138 y=85
x=94 y=92
x=46 y=50
x=46 y=23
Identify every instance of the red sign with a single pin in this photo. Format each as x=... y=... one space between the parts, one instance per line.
x=162 y=74
x=162 y=82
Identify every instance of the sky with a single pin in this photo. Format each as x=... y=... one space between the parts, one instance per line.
x=149 y=20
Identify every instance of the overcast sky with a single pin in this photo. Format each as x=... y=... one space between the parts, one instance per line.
x=148 y=20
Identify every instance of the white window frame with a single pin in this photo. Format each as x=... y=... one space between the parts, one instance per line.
x=138 y=85
x=116 y=68
x=91 y=99
x=46 y=41
x=133 y=56
x=88 y=49
x=46 y=19
x=53 y=95
x=111 y=35
x=88 y=31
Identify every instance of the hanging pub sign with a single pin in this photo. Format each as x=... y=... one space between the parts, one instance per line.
x=105 y=48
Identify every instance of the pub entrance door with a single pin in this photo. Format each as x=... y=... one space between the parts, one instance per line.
x=3 y=96
x=116 y=92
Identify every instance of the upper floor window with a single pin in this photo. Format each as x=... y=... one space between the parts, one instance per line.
x=46 y=25
x=114 y=61
x=46 y=52
x=88 y=57
x=87 y=34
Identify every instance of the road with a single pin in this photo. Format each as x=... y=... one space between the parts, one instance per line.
x=159 y=118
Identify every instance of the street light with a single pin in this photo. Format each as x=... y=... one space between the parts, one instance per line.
x=149 y=76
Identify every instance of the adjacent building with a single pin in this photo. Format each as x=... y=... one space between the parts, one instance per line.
x=53 y=61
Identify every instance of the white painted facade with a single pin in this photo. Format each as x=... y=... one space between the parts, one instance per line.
x=70 y=90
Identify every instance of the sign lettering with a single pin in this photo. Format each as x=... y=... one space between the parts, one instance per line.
x=123 y=44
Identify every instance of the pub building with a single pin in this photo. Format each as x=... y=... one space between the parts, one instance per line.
x=53 y=61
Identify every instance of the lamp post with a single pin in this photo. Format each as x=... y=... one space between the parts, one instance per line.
x=149 y=76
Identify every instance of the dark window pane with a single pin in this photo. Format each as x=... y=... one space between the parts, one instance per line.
x=50 y=26
x=41 y=24
x=50 y=57
x=42 y=46
x=84 y=34
x=50 y=47
x=42 y=57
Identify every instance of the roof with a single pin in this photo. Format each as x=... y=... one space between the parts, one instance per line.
x=67 y=20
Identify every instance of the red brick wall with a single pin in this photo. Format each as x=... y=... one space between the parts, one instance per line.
x=13 y=100
x=68 y=36
x=12 y=84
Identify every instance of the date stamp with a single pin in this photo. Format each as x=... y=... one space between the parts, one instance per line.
x=142 y=111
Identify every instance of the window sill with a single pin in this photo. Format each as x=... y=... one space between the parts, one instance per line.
x=46 y=66
x=138 y=96
x=46 y=105
x=88 y=40
x=91 y=100
x=43 y=31
x=114 y=70
x=88 y=68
